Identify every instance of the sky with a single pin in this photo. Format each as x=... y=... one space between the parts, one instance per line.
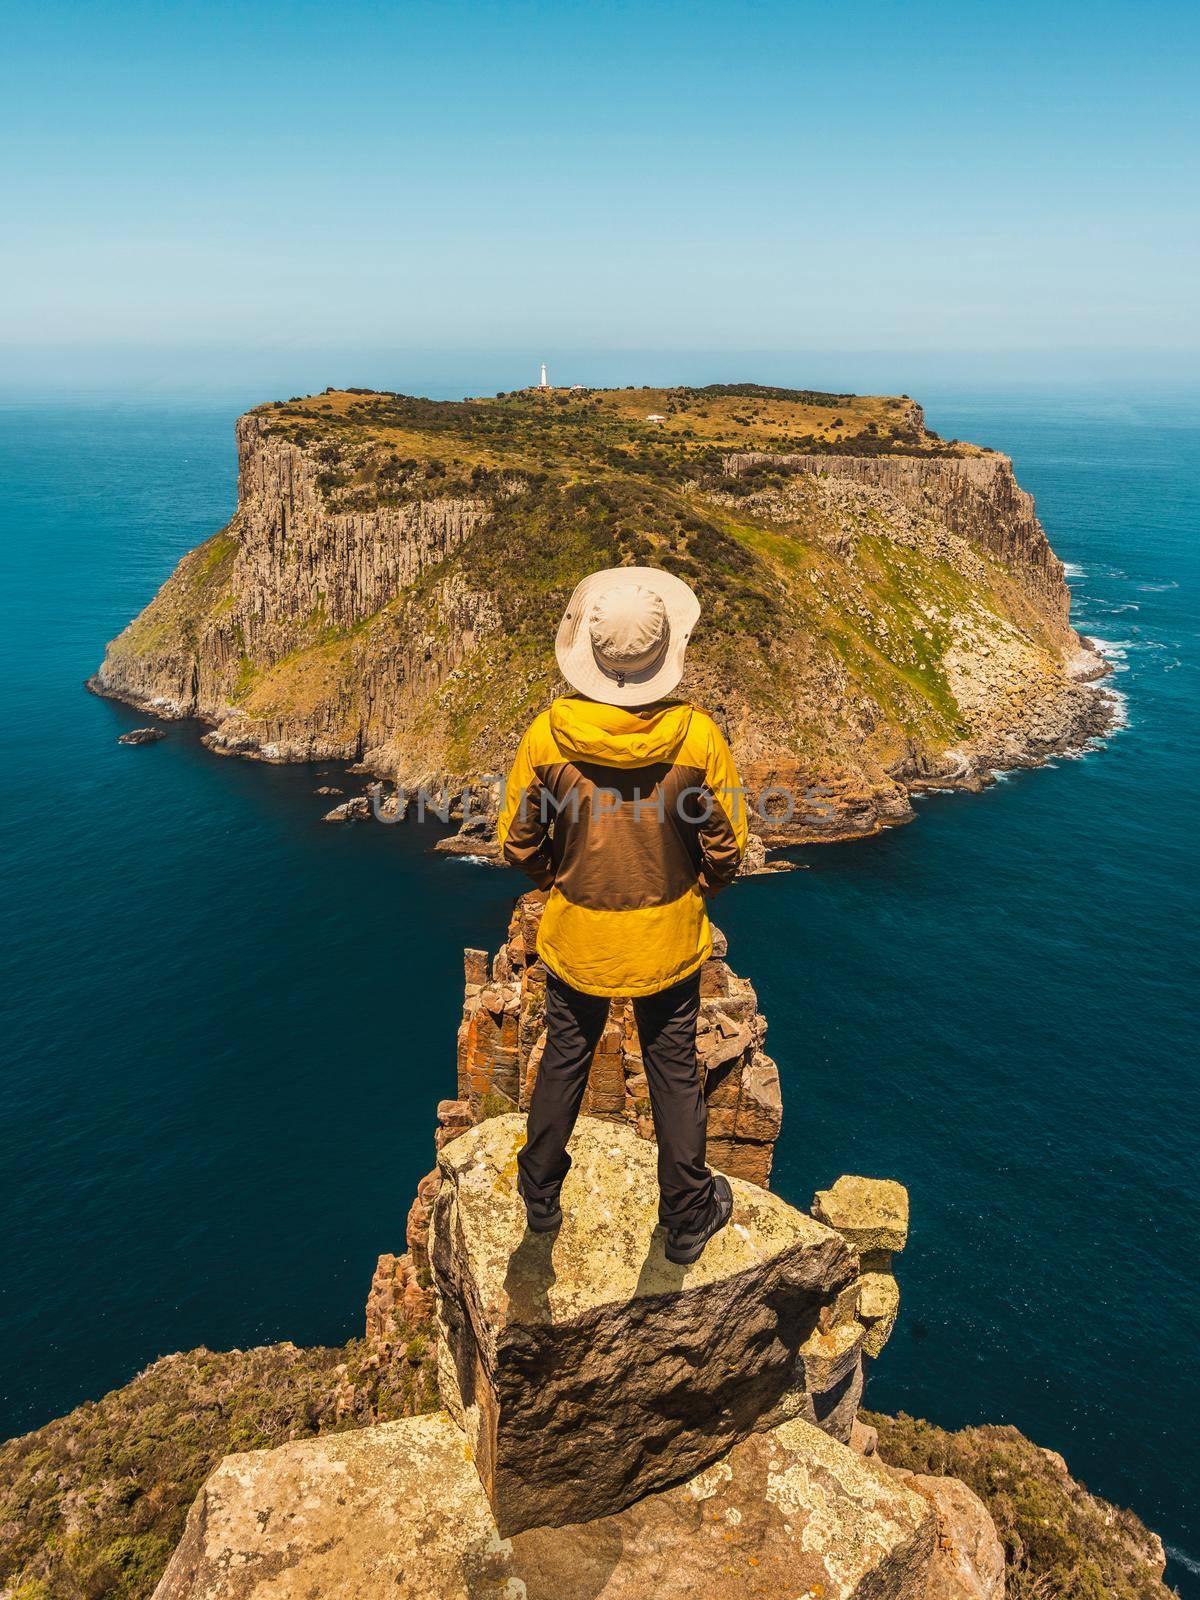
x=303 y=187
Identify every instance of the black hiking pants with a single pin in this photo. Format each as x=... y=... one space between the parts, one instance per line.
x=666 y=1024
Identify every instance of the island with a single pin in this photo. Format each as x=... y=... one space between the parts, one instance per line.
x=882 y=611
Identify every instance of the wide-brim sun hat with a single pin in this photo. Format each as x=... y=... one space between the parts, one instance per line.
x=624 y=635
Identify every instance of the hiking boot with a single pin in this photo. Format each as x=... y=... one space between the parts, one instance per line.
x=542 y=1216
x=685 y=1245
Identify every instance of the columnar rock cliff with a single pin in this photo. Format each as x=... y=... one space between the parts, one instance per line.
x=881 y=610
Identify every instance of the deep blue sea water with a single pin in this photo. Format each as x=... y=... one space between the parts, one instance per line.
x=226 y=1027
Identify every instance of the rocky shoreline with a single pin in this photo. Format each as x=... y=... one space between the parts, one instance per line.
x=1066 y=726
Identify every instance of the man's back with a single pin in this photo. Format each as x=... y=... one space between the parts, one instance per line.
x=629 y=817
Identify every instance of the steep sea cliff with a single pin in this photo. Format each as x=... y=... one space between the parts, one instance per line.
x=875 y=621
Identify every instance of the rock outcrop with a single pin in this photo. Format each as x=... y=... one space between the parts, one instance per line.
x=589 y=1371
x=876 y=619
x=398 y=1513
x=871 y=1214
x=608 y=1425
x=612 y=1425
x=499 y=1043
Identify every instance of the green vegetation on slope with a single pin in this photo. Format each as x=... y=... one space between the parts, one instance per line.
x=528 y=558
x=772 y=593
x=92 y=1504
x=400 y=573
x=1060 y=1543
x=196 y=591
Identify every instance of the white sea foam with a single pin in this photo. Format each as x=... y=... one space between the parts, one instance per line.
x=1114 y=650
x=1184 y=1560
x=1120 y=705
x=1072 y=569
x=472 y=861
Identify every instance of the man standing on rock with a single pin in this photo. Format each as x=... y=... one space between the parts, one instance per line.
x=627 y=807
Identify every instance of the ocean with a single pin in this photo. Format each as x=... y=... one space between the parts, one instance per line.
x=226 y=1027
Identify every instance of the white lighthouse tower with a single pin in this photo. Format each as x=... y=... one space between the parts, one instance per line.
x=543 y=382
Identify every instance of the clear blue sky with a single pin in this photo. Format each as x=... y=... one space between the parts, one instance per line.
x=993 y=178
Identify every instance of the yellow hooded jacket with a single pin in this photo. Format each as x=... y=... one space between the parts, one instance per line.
x=628 y=818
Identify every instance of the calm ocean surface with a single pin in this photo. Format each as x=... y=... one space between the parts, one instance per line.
x=226 y=1027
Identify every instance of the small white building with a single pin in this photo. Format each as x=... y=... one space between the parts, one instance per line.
x=656 y=418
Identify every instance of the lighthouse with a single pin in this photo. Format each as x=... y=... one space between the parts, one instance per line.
x=543 y=382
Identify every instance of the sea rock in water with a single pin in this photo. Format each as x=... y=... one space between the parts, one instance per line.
x=587 y=1370
x=396 y=1512
x=142 y=736
x=478 y=846
x=356 y=810
x=329 y=788
x=756 y=862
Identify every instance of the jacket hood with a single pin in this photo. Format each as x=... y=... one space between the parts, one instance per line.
x=616 y=737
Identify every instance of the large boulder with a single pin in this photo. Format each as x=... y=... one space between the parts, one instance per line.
x=397 y=1512
x=589 y=1371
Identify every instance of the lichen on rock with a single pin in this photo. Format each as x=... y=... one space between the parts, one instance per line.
x=398 y=1513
